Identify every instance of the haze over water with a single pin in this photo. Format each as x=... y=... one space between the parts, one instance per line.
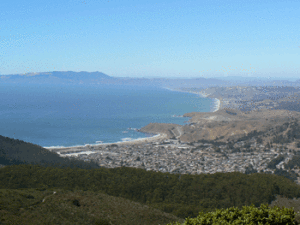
x=69 y=115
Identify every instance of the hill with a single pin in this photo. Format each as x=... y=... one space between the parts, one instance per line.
x=56 y=206
x=182 y=195
x=17 y=152
x=57 y=77
x=227 y=125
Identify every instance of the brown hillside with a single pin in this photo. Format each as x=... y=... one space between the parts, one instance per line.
x=225 y=124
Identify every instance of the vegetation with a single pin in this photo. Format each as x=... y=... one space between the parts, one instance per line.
x=294 y=162
x=248 y=215
x=250 y=170
x=16 y=152
x=288 y=203
x=288 y=174
x=287 y=132
x=182 y=195
x=55 y=206
x=272 y=164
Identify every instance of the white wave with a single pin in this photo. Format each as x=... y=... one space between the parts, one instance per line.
x=217 y=105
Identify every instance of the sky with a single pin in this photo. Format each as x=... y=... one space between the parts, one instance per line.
x=139 y=38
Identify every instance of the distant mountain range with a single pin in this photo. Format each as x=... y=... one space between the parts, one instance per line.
x=56 y=77
x=66 y=77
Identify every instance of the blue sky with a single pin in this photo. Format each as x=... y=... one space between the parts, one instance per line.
x=138 y=38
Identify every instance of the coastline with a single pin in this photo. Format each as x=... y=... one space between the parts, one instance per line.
x=218 y=102
x=155 y=138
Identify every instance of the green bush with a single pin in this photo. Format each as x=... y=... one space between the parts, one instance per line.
x=247 y=215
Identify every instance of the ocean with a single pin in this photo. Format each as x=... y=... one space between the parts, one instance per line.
x=79 y=114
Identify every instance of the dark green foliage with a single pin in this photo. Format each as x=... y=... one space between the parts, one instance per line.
x=183 y=195
x=272 y=164
x=57 y=207
x=101 y=221
x=248 y=215
x=16 y=152
x=250 y=135
x=288 y=174
x=76 y=202
x=280 y=139
x=295 y=161
x=259 y=140
x=250 y=170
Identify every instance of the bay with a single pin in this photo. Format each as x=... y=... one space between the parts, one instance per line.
x=72 y=115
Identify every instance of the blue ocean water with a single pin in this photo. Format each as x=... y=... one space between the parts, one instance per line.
x=70 y=115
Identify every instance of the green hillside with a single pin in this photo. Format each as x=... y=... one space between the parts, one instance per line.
x=181 y=195
x=16 y=152
x=55 y=206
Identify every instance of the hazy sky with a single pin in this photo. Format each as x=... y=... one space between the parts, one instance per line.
x=138 y=38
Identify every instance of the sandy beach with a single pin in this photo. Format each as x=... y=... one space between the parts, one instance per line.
x=155 y=138
x=218 y=104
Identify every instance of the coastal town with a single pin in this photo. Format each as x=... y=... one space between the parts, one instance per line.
x=174 y=157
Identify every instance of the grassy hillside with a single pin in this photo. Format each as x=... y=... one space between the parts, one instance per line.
x=55 y=206
x=181 y=195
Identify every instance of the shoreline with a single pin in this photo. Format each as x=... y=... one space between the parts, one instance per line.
x=145 y=140
x=218 y=102
x=157 y=137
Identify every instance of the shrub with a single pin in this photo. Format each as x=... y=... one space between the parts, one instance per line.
x=247 y=215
